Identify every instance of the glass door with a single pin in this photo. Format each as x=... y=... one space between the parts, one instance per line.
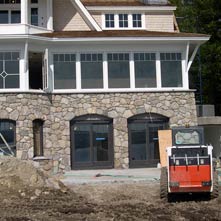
x=92 y=145
x=143 y=140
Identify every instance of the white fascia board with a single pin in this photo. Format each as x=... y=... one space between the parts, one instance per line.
x=86 y=15
x=130 y=8
x=196 y=40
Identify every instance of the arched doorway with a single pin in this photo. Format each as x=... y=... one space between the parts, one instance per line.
x=91 y=142
x=143 y=139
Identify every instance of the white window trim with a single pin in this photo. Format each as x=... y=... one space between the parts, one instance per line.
x=130 y=22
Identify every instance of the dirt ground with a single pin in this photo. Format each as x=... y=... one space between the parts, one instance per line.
x=34 y=198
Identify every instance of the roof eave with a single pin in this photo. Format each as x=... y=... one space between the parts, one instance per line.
x=130 y=8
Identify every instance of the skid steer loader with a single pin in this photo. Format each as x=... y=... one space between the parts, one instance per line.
x=190 y=166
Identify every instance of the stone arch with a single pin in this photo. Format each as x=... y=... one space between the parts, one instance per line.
x=91 y=117
x=151 y=117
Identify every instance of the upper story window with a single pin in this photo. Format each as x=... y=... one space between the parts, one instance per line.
x=34 y=1
x=171 y=69
x=109 y=20
x=10 y=1
x=123 y=21
x=64 y=71
x=137 y=20
x=9 y=70
x=10 y=16
x=34 y=16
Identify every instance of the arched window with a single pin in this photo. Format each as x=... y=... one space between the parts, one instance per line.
x=92 y=142
x=7 y=137
x=143 y=139
x=38 y=137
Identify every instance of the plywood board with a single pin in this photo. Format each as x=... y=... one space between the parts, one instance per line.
x=165 y=140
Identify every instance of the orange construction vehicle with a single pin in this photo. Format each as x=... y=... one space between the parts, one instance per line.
x=190 y=166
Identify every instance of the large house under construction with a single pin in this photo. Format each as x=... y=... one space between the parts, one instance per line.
x=88 y=83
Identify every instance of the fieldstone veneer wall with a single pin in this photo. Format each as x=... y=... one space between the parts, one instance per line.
x=57 y=110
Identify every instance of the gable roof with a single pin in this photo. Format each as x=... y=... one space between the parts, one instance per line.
x=116 y=33
x=112 y=3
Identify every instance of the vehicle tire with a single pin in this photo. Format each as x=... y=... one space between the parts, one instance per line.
x=215 y=193
x=163 y=184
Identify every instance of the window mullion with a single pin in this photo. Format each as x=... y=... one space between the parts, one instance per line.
x=105 y=71
x=116 y=20
x=158 y=70
x=130 y=21
x=132 y=71
x=78 y=71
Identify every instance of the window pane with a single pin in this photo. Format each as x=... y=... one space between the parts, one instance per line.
x=118 y=72
x=12 y=81
x=64 y=75
x=34 y=16
x=171 y=73
x=1 y=66
x=100 y=142
x=7 y=129
x=123 y=20
x=4 y=17
x=145 y=74
x=15 y=17
x=82 y=143
x=91 y=75
x=138 y=142
x=109 y=20
x=1 y=82
x=12 y=67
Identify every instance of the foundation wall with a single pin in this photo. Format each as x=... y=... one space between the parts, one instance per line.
x=57 y=110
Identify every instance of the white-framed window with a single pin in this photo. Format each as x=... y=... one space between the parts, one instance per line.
x=64 y=71
x=118 y=70
x=34 y=16
x=9 y=70
x=137 y=20
x=91 y=71
x=145 y=70
x=171 y=69
x=123 y=21
x=10 y=16
x=109 y=20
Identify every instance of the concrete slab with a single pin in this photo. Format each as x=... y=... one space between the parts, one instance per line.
x=111 y=176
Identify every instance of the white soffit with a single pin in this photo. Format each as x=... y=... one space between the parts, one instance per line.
x=86 y=15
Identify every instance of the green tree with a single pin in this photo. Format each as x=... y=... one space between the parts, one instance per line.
x=204 y=16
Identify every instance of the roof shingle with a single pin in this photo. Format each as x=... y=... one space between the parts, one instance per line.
x=116 y=33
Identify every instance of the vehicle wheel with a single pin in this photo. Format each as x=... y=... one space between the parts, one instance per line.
x=215 y=193
x=163 y=184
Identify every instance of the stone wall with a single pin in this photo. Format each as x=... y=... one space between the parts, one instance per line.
x=57 y=110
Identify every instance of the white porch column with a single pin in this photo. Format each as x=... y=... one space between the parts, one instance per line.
x=24 y=12
x=49 y=15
